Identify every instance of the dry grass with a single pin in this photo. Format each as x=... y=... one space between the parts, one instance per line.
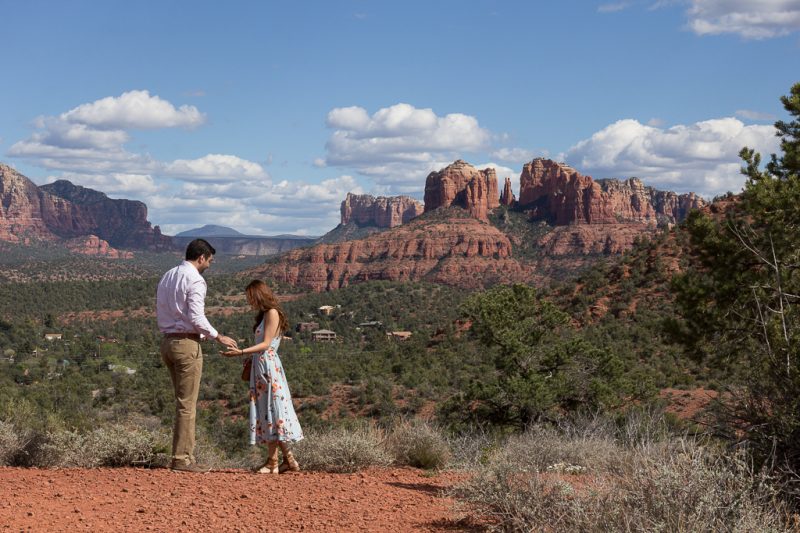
x=419 y=444
x=595 y=477
x=343 y=450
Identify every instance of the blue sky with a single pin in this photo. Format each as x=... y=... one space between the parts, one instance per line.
x=263 y=115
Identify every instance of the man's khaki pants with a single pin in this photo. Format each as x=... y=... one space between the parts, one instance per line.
x=184 y=360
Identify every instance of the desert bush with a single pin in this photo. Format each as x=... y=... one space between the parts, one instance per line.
x=541 y=447
x=28 y=438
x=599 y=478
x=418 y=443
x=471 y=449
x=10 y=443
x=32 y=433
x=103 y=446
x=120 y=446
x=343 y=449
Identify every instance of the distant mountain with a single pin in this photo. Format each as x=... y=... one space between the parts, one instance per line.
x=210 y=230
x=239 y=244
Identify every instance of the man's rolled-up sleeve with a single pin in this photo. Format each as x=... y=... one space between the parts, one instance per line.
x=195 y=299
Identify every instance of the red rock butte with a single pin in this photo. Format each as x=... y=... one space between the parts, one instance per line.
x=463 y=185
x=560 y=194
x=382 y=212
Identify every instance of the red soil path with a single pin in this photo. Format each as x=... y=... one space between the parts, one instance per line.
x=132 y=499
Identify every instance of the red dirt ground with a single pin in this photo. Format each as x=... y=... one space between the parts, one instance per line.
x=688 y=404
x=134 y=499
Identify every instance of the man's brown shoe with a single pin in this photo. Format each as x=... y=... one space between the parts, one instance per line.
x=185 y=466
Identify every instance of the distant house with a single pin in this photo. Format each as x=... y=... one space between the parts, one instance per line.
x=399 y=335
x=306 y=326
x=326 y=309
x=371 y=324
x=122 y=369
x=52 y=336
x=323 y=335
x=284 y=338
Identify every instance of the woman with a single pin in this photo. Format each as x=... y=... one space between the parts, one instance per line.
x=275 y=422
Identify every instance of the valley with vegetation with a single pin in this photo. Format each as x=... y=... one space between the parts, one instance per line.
x=592 y=356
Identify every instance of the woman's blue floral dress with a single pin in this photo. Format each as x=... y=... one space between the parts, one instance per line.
x=272 y=415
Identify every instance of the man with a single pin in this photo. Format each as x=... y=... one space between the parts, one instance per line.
x=180 y=310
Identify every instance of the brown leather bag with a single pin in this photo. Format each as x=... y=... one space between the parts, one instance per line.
x=248 y=366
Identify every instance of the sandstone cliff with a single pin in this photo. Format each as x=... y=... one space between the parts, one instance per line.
x=463 y=185
x=455 y=249
x=560 y=194
x=382 y=212
x=78 y=211
x=21 y=208
x=61 y=210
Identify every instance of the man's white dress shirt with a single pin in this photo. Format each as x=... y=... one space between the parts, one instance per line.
x=180 y=302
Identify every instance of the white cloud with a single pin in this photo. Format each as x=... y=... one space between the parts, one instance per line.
x=399 y=143
x=134 y=110
x=215 y=168
x=330 y=191
x=66 y=135
x=255 y=207
x=88 y=145
x=114 y=185
x=501 y=171
x=348 y=118
x=700 y=157
x=514 y=155
x=91 y=138
x=751 y=19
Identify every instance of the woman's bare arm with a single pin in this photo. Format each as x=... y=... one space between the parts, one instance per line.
x=271 y=324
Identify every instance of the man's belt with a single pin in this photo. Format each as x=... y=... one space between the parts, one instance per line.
x=193 y=336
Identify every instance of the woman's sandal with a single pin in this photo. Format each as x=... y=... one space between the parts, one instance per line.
x=289 y=464
x=271 y=466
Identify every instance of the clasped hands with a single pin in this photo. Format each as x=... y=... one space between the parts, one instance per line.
x=233 y=352
x=228 y=342
x=231 y=345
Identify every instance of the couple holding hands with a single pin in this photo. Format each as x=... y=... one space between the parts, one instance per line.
x=180 y=311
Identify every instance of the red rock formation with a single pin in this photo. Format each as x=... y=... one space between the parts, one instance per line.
x=459 y=250
x=676 y=207
x=20 y=208
x=507 y=196
x=94 y=245
x=451 y=246
x=463 y=185
x=559 y=193
x=383 y=212
x=123 y=223
x=62 y=210
x=588 y=239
